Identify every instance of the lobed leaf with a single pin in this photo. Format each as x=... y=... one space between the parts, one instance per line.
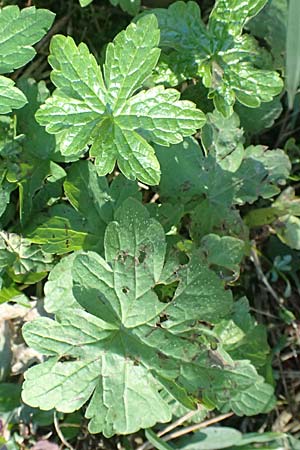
x=10 y=96
x=19 y=30
x=218 y=53
x=106 y=113
x=117 y=350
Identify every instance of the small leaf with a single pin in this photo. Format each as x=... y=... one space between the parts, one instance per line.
x=254 y=121
x=223 y=138
x=223 y=251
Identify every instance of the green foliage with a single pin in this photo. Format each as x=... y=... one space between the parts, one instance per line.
x=19 y=30
x=126 y=318
x=104 y=112
x=218 y=53
x=128 y=215
x=292 y=52
x=271 y=25
x=215 y=438
x=130 y=6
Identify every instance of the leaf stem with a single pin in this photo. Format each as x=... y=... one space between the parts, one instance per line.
x=60 y=434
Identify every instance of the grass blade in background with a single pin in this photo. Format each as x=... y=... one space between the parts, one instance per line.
x=293 y=51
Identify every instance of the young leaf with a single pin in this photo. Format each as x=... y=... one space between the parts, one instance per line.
x=218 y=53
x=119 y=352
x=19 y=30
x=107 y=113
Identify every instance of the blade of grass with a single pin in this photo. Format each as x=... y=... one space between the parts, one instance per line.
x=293 y=51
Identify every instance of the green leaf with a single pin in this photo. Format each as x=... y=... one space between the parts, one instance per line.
x=223 y=138
x=118 y=349
x=254 y=121
x=196 y=279
x=34 y=177
x=232 y=15
x=9 y=396
x=206 y=218
x=130 y=6
x=93 y=197
x=58 y=288
x=288 y=230
x=218 y=53
x=242 y=337
x=292 y=68
x=261 y=172
x=22 y=257
x=211 y=438
x=271 y=25
x=85 y=2
x=19 y=31
x=62 y=230
x=37 y=142
x=115 y=120
x=156 y=441
x=187 y=175
x=223 y=251
x=10 y=96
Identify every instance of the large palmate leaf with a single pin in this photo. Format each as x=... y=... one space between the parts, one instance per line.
x=218 y=53
x=19 y=30
x=123 y=348
x=106 y=112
